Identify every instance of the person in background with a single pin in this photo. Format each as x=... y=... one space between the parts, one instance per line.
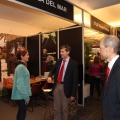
x=50 y=63
x=95 y=70
x=65 y=86
x=109 y=49
x=44 y=54
x=21 y=91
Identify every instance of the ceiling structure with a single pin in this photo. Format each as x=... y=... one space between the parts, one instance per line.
x=92 y=35
x=22 y=21
x=105 y=10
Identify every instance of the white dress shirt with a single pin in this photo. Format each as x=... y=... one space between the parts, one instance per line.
x=111 y=63
x=65 y=67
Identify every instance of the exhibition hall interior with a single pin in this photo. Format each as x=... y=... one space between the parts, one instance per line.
x=42 y=26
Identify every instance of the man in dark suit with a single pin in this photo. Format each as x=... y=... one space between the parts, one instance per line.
x=64 y=89
x=109 y=49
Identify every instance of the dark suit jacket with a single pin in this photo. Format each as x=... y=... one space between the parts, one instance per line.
x=70 y=78
x=111 y=94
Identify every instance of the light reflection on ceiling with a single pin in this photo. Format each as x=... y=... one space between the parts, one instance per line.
x=92 y=35
x=89 y=36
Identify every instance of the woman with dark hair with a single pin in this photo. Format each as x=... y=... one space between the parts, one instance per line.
x=21 y=91
x=95 y=74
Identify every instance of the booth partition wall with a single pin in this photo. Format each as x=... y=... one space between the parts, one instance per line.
x=73 y=37
x=33 y=46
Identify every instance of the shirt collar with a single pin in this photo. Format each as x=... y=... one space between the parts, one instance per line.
x=67 y=59
x=111 y=63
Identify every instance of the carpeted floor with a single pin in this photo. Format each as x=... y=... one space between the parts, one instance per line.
x=91 y=111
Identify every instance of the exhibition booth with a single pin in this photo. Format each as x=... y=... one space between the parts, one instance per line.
x=59 y=22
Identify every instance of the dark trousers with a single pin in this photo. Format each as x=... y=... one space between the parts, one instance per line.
x=94 y=81
x=21 y=110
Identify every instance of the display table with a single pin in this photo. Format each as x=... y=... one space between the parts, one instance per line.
x=32 y=80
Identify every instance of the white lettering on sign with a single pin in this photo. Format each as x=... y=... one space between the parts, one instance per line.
x=60 y=7
x=101 y=26
x=41 y=1
x=51 y=3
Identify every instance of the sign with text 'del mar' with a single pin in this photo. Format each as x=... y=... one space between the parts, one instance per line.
x=57 y=7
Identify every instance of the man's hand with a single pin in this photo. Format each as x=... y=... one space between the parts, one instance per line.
x=72 y=98
x=49 y=80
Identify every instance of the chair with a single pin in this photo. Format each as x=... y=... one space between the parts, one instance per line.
x=37 y=95
x=47 y=90
x=7 y=89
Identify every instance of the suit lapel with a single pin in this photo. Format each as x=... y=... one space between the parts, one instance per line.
x=68 y=66
x=59 y=65
x=115 y=66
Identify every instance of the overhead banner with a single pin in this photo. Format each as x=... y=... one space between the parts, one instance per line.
x=99 y=25
x=57 y=7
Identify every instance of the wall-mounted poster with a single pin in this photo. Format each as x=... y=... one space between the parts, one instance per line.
x=12 y=47
x=49 y=51
x=8 y=46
